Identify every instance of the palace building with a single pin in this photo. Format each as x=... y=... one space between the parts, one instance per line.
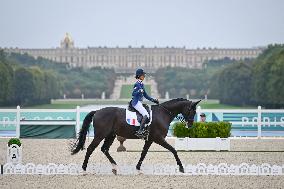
x=126 y=60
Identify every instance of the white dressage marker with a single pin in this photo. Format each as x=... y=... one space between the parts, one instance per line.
x=14 y=154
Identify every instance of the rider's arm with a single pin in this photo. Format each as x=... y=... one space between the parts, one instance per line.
x=147 y=96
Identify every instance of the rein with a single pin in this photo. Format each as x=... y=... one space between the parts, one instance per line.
x=181 y=119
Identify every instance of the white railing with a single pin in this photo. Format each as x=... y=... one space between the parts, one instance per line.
x=18 y=121
x=76 y=121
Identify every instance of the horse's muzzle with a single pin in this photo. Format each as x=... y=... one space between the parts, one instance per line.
x=188 y=124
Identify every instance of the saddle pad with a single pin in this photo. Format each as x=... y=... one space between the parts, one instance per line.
x=131 y=118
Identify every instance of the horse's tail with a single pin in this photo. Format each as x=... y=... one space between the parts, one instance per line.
x=79 y=144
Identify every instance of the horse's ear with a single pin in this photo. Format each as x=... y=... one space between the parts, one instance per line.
x=195 y=103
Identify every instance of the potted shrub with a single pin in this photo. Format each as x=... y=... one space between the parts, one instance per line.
x=203 y=136
x=14 y=141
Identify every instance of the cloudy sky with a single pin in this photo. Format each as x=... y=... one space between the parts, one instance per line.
x=190 y=23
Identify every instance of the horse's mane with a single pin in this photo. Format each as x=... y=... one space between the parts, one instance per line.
x=175 y=100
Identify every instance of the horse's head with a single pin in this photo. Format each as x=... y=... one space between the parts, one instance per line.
x=188 y=112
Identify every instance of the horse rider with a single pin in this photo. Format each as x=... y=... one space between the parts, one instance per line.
x=137 y=97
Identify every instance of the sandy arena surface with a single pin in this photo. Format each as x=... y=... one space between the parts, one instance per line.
x=56 y=151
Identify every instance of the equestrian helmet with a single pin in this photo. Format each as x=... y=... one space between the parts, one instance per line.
x=139 y=72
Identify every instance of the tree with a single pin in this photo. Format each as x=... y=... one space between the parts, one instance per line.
x=24 y=87
x=268 y=80
x=233 y=84
x=51 y=85
x=39 y=85
x=6 y=86
x=256 y=82
x=180 y=81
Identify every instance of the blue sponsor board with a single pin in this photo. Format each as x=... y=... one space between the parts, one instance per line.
x=270 y=121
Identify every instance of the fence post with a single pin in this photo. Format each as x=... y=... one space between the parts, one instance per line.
x=18 y=115
x=77 y=120
x=198 y=111
x=259 y=122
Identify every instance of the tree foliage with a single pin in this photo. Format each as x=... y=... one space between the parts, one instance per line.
x=257 y=81
x=253 y=82
x=179 y=82
x=6 y=81
x=232 y=85
x=268 y=81
x=28 y=81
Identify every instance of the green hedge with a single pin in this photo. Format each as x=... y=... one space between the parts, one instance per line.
x=203 y=130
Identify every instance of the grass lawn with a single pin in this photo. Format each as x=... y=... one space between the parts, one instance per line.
x=214 y=104
x=126 y=91
x=71 y=104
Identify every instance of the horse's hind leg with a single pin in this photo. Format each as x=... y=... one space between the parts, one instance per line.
x=166 y=145
x=105 y=149
x=96 y=141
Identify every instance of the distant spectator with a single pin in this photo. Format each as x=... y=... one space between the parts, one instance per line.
x=202 y=117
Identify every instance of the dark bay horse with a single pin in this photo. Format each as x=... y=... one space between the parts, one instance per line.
x=110 y=121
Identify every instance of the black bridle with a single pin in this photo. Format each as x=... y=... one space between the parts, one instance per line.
x=181 y=119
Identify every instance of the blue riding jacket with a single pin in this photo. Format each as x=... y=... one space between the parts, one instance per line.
x=137 y=94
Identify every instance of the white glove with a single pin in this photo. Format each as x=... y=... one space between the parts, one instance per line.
x=141 y=91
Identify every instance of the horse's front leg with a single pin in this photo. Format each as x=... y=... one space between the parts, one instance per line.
x=166 y=145
x=143 y=154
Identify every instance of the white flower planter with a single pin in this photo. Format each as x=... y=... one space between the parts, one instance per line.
x=216 y=144
x=181 y=143
x=14 y=154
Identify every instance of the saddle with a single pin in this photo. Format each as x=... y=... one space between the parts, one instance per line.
x=139 y=116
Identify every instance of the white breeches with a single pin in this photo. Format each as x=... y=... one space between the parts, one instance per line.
x=139 y=107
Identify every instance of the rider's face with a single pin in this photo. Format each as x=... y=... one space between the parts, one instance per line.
x=142 y=77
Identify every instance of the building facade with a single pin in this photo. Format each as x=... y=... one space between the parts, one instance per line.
x=126 y=60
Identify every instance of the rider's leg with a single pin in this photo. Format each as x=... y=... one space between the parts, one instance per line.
x=139 y=107
x=142 y=124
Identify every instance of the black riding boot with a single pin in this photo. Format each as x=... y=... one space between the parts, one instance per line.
x=140 y=133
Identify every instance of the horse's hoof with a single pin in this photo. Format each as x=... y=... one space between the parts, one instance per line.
x=181 y=169
x=84 y=168
x=84 y=173
x=121 y=149
x=114 y=171
x=138 y=166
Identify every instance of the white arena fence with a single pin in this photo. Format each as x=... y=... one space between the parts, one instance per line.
x=156 y=169
x=257 y=120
